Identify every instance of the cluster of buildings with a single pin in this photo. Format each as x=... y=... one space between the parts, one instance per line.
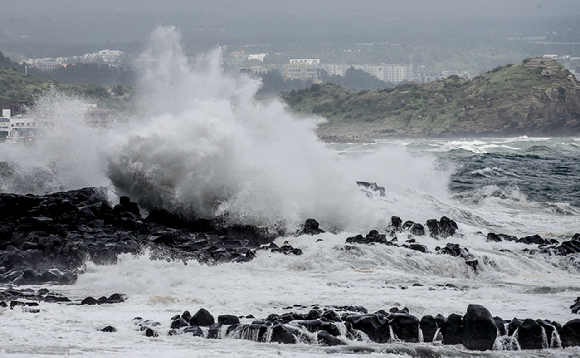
x=309 y=69
x=395 y=73
x=45 y=64
x=13 y=122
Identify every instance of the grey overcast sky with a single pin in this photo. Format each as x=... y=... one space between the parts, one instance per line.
x=70 y=21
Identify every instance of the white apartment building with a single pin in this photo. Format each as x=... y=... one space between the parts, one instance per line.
x=387 y=73
x=308 y=61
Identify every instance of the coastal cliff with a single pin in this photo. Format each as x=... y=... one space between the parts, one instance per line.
x=537 y=97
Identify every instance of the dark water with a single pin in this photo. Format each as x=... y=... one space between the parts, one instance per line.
x=547 y=177
x=540 y=169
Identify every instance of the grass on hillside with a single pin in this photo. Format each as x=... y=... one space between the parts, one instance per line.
x=437 y=105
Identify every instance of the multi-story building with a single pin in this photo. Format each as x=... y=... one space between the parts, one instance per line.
x=398 y=73
x=47 y=65
x=387 y=73
x=300 y=71
x=334 y=69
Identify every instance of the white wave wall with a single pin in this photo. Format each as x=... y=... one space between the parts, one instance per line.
x=209 y=149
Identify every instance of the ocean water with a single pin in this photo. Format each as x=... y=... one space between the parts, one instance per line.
x=203 y=146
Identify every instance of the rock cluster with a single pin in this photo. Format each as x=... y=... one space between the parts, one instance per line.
x=476 y=330
x=47 y=238
x=550 y=247
x=28 y=297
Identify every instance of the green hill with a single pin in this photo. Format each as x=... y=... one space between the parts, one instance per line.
x=16 y=86
x=535 y=97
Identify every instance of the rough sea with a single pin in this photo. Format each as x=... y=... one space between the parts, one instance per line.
x=203 y=145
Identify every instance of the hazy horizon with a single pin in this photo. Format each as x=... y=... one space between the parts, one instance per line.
x=74 y=21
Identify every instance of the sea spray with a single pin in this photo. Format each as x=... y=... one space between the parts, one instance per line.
x=219 y=153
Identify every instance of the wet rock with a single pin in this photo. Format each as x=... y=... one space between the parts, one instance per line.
x=196 y=331
x=429 y=327
x=311 y=227
x=396 y=223
x=287 y=250
x=491 y=237
x=214 y=331
x=149 y=332
x=417 y=230
x=576 y=306
x=89 y=301
x=405 y=327
x=513 y=325
x=376 y=327
x=370 y=188
x=202 y=318
x=479 y=329
x=456 y=250
x=452 y=330
x=331 y=315
x=109 y=329
x=179 y=323
x=500 y=324
x=570 y=334
x=228 y=319
x=505 y=237
x=281 y=334
x=326 y=339
x=535 y=239
x=417 y=247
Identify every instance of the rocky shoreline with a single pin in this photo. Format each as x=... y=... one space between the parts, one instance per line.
x=47 y=238
x=476 y=330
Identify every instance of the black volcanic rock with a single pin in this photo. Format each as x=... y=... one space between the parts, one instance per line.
x=570 y=334
x=376 y=327
x=405 y=327
x=326 y=339
x=228 y=319
x=479 y=329
x=530 y=335
x=452 y=329
x=311 y=227
x=576 y=306
x=429 y=327
x=202 y=318
x=47 y=238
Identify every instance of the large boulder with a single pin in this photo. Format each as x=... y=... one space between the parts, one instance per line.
x=479 y=329
x=570 y=334
x=281 y=334
x=202 y=318
x=530 y=335
x=374 y=326
x=452 y=329
x=405 y=327
x=429 y=327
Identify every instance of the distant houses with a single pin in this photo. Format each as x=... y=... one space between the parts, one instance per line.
x=46 y=64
